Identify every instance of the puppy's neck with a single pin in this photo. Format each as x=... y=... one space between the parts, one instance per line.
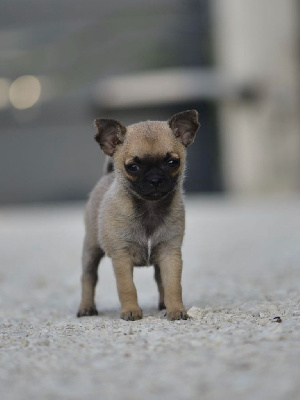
x=153 y=213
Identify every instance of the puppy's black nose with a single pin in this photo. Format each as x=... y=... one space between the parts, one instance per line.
x=155 y=181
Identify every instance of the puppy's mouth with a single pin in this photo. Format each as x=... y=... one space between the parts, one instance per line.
x=157 y=195
x=154 y=186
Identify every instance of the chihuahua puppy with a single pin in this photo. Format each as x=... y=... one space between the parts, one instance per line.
x=135 y=214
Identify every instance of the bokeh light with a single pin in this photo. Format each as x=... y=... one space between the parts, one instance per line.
x=24 y=92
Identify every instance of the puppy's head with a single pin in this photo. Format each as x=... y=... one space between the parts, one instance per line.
x=149 y=157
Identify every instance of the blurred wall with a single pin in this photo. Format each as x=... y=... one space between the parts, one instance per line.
x=242 y=55
x=47 y=151
x=257 y=47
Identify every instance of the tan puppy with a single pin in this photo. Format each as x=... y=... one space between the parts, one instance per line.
x=135 y=214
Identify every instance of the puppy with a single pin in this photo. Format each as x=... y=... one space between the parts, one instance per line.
x=135 y=214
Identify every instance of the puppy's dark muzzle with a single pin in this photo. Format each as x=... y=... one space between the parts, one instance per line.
x=155 y=187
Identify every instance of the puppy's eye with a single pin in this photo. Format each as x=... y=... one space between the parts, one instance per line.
x=173 y=163
x=132 y=168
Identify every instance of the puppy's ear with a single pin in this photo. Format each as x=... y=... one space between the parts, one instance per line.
x=184 y=126
x=110 y=134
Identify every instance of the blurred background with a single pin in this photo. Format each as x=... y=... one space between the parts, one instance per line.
x=64 y=63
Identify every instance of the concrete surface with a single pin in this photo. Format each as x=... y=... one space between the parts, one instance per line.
x=241 y=269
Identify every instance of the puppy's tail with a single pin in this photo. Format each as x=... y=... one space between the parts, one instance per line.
x=108 y=166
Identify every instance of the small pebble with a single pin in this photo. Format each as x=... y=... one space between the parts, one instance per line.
x=195 y=313
x=276 y=319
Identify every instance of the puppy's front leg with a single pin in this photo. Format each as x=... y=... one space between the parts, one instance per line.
x=123 y=267
x=170 y=263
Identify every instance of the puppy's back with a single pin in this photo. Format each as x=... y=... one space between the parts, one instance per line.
x=93 y=204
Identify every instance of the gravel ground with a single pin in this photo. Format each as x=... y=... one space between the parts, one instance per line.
x=241 y=271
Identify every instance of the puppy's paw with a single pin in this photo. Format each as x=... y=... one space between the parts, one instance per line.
x=175 y=315
x=87 y=312
x=161 y=306
x=132 y=315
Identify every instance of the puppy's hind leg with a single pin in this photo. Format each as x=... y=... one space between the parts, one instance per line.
x=157 y=276
x=91 y=257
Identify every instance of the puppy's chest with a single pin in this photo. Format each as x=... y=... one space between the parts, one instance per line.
x=143 y=252
x=150 y=223
x=144 y=236
x=148 y=231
